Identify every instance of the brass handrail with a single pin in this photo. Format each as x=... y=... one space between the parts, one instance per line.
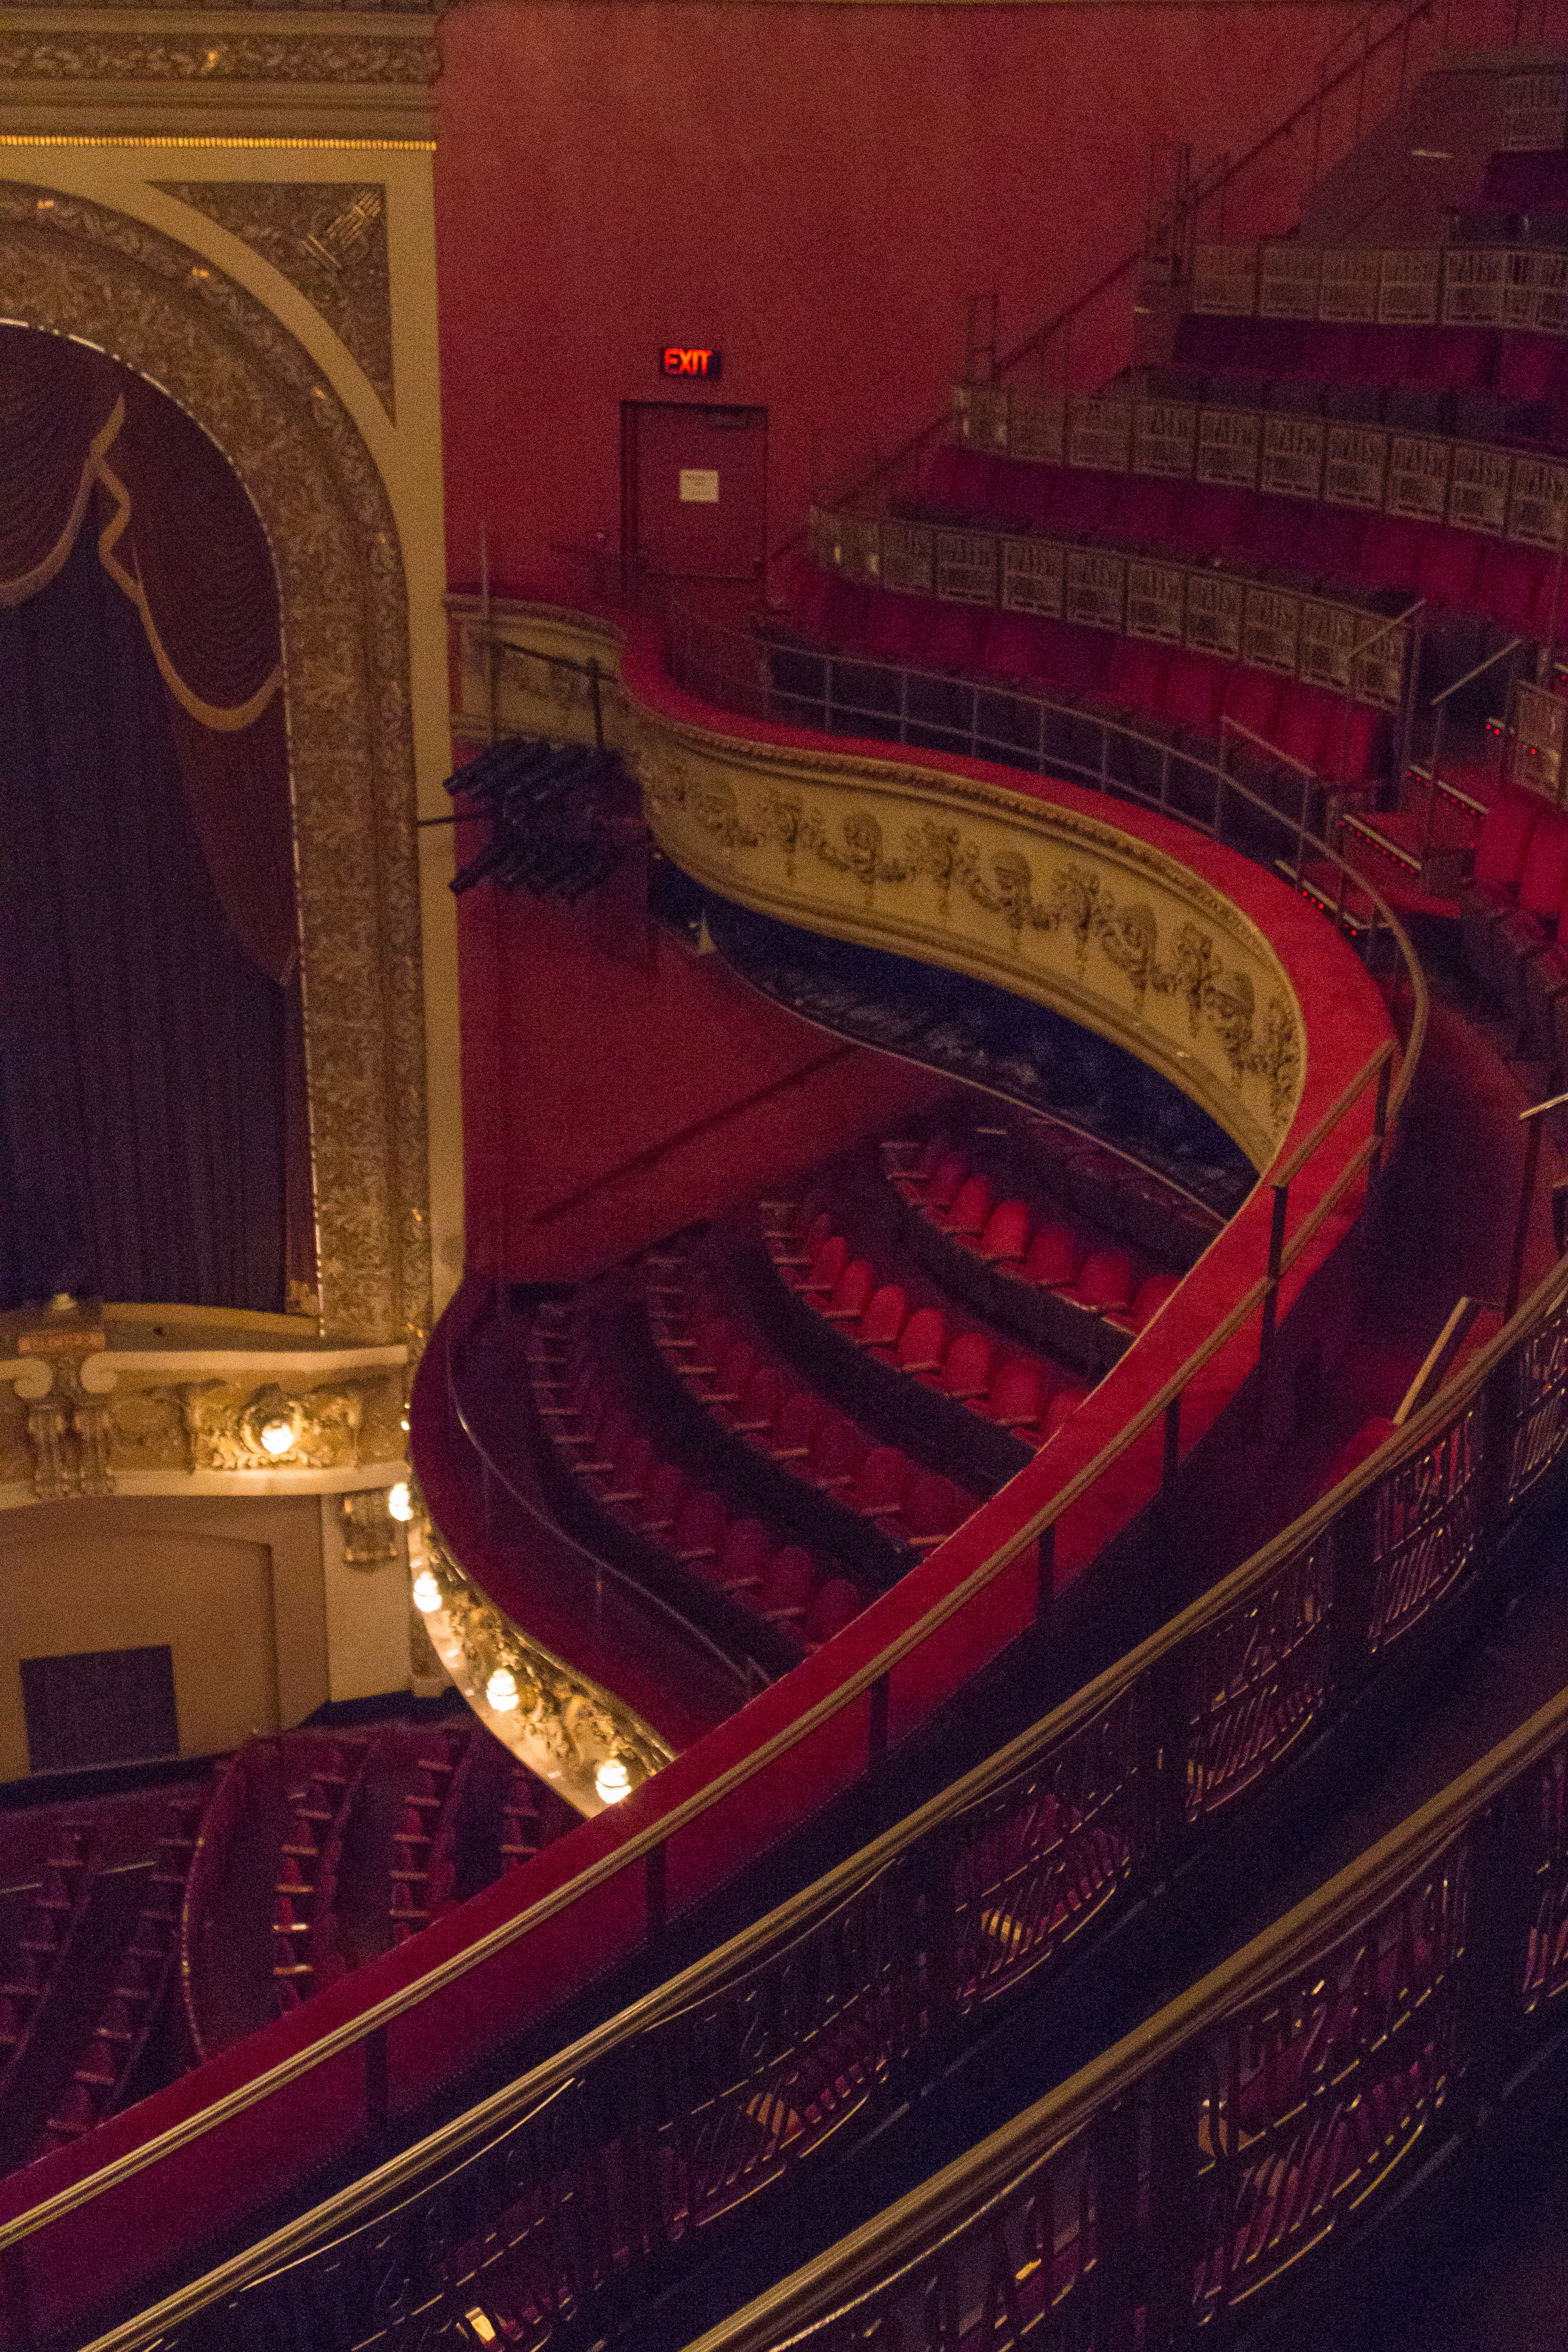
x=646 y=1842
x=894 y=2240
x=440 y=2150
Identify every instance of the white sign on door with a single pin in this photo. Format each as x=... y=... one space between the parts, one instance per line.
x=699 y=487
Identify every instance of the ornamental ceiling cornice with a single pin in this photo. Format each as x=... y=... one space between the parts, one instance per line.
x=337 y=74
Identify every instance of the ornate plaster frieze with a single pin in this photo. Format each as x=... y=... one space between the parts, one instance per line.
x=328 y=240
x=87 y=1418
x=167 y=71
x=78 y=268
x=562 y=1725
x=1033 y=896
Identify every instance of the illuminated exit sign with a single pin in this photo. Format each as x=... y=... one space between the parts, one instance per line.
x=676 y=359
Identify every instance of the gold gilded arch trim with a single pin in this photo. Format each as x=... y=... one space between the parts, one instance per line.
x=76 y=267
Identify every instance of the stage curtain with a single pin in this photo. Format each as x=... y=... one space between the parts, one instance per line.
x=146 y=823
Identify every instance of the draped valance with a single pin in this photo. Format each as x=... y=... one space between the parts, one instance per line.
x=86 y=445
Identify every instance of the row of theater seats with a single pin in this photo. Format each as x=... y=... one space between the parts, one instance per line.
x=141 y=1974
x=1515 y=365
x=710 y=1531
x=1028 y=1394
x=306 y=1956
x=722 y=1359
x=1170 y=692
x=1335 y=551
x=1054 y=1253
x=333 y=1849
x=1108 y=1192
x=1513 y=915
x=1448 y=414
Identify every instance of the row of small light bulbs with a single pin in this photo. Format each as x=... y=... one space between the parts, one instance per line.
x=612 y=1779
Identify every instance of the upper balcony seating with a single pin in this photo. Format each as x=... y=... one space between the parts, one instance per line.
x=1434 y=359
x=1171 y=696
x=1340 y=552
x=1512 y=918
x=617 y=1451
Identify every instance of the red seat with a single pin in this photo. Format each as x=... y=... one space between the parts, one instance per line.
x=795 y=1427
x=933 y=1506
x=736 y=1367
x=1105 y=1282
x=1150 y=1296
x=743 y=1555
x=1006 y=1235
x=851 y=1293
x=1054 y=1256
x=655 y=1509
x=632 y=1467
x=1016 y=1401
x=878 y=1487
x=966 y=1369
x=1062 y=1407
x=835 y=1603
x=787 y=1586
x=942 y=1189
x=761 y=1401
x=827 y=1266
x=699 y=1525
x=836 y=1452
x=924 y=1341
x=886 y=1315
x=971 y=1206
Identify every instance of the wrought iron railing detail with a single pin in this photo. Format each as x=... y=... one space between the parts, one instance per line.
x=1276 y=2109
x=575 y=2187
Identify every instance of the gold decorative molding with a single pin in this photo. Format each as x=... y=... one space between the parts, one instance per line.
x=79 y=1417
x=328 y=240
x=564 y=1727
x=1016 y=888
x=76 y=267
x=283 y=71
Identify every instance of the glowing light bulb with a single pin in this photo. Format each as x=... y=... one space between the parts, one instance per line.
x=278 y=1436
x=612 y=1781
x=426 y=1593
x=501 y=1691
x=400 y=1502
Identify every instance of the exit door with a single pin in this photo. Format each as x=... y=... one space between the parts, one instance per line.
x=694 y=488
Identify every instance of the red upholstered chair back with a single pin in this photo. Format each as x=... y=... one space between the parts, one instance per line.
x=835 y=1603
x=1505 y=839
x=966 y=1372
x=1063 y=1406
x=1015 y=1395
x=880 y=1483
x=924 y=1340
x=1544 y=875
x=1007 y=1234
x=971 y=1206
x=796 y=1424
x=788 y=1584
x=747 y=1548
x=1054 y=1256
x=884 y=1318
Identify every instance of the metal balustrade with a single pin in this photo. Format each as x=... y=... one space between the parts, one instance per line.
x=1228 y=2149
x=558 y=2200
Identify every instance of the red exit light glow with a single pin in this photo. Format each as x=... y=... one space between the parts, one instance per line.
x=676 y=359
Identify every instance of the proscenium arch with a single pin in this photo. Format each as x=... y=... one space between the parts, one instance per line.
x=76 y=267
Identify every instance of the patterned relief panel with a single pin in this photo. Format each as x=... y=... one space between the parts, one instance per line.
x=1044 y=902
x=328 y=240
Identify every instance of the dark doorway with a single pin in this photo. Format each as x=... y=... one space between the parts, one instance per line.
x=694 y=491
x=99 y=1706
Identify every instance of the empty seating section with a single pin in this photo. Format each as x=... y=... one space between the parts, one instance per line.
x=1511 y=914
x=105 y=2067
x=705 y=1529
x=724 y=1359
x=304 y=1954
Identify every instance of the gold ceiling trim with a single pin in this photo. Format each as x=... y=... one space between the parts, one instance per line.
x=76 y=267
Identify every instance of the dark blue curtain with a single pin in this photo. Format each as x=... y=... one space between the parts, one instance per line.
x=142 y=1052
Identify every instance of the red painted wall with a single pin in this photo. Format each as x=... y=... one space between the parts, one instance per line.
x=616 y=1087
x=816 y=190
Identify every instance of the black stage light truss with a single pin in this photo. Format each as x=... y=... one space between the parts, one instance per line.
x=561 y=816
